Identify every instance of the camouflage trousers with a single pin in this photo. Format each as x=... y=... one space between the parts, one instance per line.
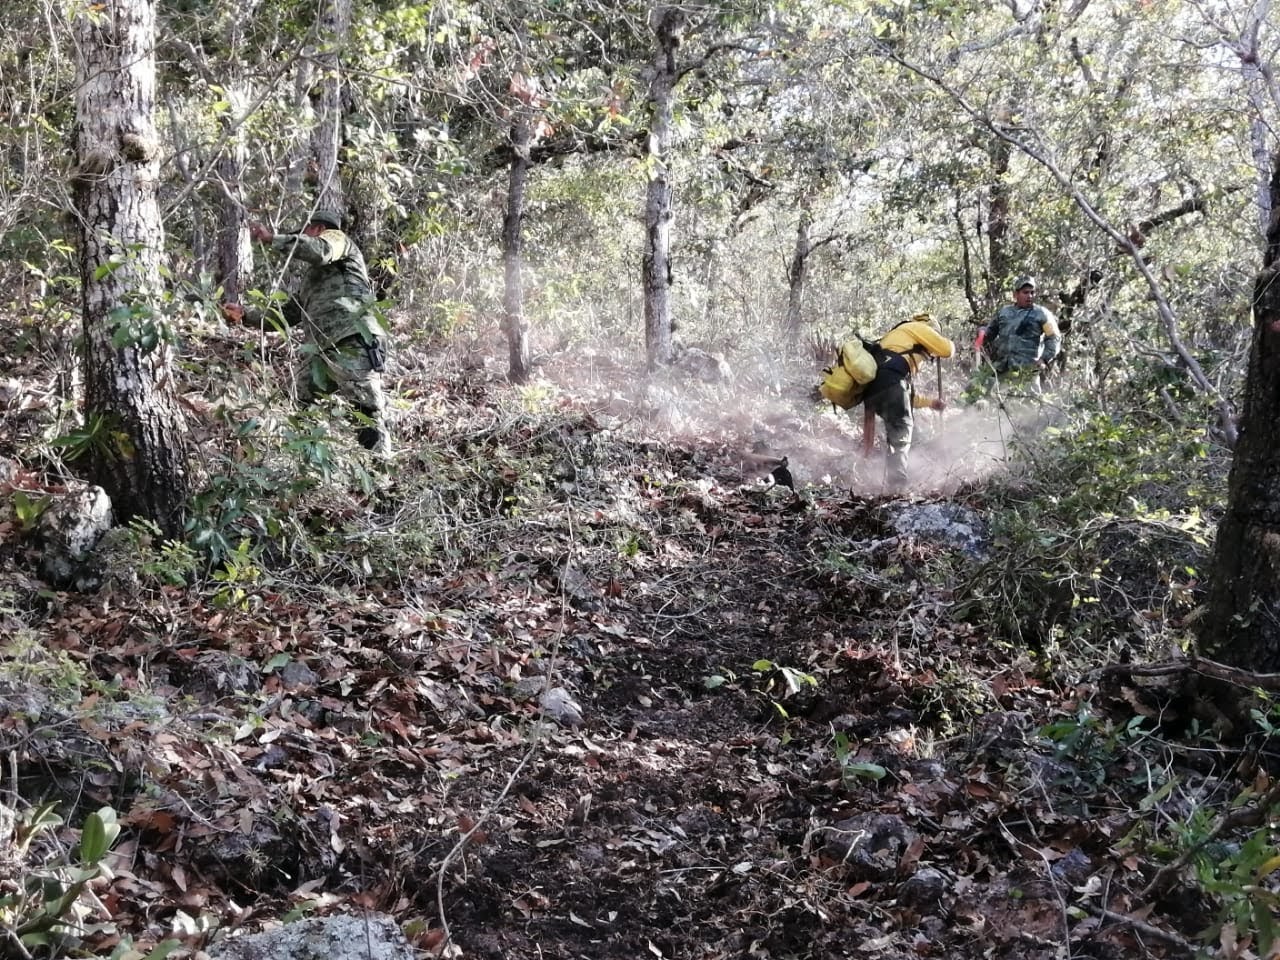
x=346 y=369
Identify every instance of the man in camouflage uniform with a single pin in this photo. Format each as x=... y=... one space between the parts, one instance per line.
x=334 y=303
x=1019 y=344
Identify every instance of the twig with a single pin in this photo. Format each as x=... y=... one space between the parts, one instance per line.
x=12 y=936
x=1147 y=930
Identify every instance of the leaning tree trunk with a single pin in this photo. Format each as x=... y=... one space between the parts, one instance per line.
x=1242 y=625
x=514 y=323
x=139 y=451
x=668 y=22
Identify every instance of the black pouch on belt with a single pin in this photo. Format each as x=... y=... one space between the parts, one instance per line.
x=377 y=354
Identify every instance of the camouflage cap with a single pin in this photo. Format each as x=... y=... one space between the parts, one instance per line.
x=1024 y=281
x=329 y=218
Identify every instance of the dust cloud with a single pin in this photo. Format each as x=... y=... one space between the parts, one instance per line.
x=769 y=409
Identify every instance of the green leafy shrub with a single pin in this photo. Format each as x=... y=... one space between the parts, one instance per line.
x=257 y=492
x=44 y=907
x=1100 y=535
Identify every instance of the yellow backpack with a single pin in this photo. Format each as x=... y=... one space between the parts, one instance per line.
x=856 y=364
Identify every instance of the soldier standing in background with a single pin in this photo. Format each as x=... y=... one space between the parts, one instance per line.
x=346 y=335
x=1020 y=342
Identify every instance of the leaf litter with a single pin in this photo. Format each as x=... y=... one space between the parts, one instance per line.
x=637 y=703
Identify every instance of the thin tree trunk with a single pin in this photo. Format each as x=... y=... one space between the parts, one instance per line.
x=235 y=253
x=797 y=274
x=326 y=136
x=514 y=323
x=1242 y=626
x=301 y=164
x=976 y=310
x=668 y=22
x=139 y=448
x=998 y=220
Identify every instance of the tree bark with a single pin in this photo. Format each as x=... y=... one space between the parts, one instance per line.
x=796 y=275
x=235 y=255
x=514 y=323
x=235 y=252
x=139 y=448
x=1242 y=626
x=326 y=136
x=301 y=169
x=977 y=311
x=998 y=220
x=668 y=23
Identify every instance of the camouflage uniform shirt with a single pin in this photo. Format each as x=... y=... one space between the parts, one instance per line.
x=336 y=291
x=1019 y=336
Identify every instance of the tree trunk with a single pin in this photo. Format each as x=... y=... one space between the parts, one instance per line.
x=326 y=136
x=235 y=253
x=668 y=22
x=977 y=312
x=139 y=448
x=301 y=169
x=1242 y=626
x=796 y=275
x=998 y=221
x=514 y=323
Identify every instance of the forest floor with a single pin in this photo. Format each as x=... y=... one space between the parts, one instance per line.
x=583 y=684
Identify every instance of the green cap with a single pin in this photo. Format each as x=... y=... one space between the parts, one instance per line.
x=1024 y=281
x=328 y=217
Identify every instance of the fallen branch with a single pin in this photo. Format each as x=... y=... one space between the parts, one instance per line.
x=1250 y=815
x=1208 y=668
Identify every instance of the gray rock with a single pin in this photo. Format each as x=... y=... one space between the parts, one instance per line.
x=295 y=674
x=706 y=366
x=68 y=530
x=950 y=524
x=869 y=844
x=559 y=705
x=576 y=586
x=923 y=891
x=324 y=938
x=1075 y=868
x=216 y=674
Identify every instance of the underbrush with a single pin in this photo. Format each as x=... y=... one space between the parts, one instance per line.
x=1099 y=538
